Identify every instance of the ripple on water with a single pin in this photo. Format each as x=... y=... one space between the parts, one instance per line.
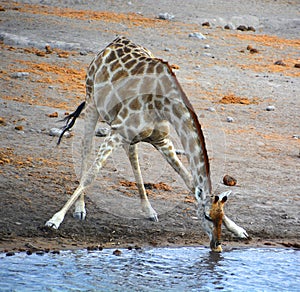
x=153 y=269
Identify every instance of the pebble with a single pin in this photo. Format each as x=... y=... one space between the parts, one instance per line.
x=83 y=53
x=20 y=75
x=10 y=253
x=57 y=132
x=206 y=23
x=211 y=109
x=296 y=136
x=229 y=119
x=102 y=132
x=19 y=128
x=197 y=35
x=206 y=47
x=167 y=49
x=270 y=108
x=279 y=63
x=165 y=16
x=117 y=252
x=229 y=180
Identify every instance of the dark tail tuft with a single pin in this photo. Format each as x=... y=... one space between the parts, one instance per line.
x=69 y=124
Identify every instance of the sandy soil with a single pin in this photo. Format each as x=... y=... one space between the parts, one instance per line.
x=231 y=73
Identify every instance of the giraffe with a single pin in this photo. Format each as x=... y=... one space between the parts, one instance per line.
x=139 y=97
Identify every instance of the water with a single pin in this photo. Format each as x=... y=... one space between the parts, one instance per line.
x=156 y=269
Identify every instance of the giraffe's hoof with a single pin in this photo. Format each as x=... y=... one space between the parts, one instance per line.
x=79 y=215
x=153 y=218
x=51 y=225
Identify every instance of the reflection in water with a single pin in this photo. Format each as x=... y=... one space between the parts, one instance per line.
x=157 y=269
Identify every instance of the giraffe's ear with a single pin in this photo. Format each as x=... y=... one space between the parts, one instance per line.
x=224 y=196
x=216 y=199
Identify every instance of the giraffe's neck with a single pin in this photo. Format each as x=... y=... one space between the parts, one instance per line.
x=181 y=115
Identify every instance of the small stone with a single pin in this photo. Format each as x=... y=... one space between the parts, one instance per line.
x=228 y=26
x=197 y=35
x=167 y=49
x=102 y=132
x=19 y=128
x=40 y=252
x=10 y=253
x=242 y=28
x=270 y=108
x=211 y=109
x=297 y=65
x=20 y=75
x=253 y=51
x=83 y=53
x=117 y=252
x=48 y=49
x=57 y=132
x=29 y=252
x=229 y=119
x=296 y=136
x=206 y=47
x=229 y=180
x=206 y=23
x=2 y=121
x=165 y=16
x=279 y=63
x=53 y=115
x=251 y=28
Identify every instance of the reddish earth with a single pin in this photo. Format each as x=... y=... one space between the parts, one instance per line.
x=260 y=148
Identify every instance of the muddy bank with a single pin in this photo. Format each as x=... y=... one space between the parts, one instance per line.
x=223 y=78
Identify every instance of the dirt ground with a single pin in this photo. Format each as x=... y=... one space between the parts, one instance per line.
x=46 y=47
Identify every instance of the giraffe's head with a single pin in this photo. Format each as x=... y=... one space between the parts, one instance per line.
x=213 y=221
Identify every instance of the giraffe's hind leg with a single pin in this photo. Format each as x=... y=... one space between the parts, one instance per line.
x=132 y=153
x=90 y=122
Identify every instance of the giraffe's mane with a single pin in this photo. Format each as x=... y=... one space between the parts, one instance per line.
x=196 y=123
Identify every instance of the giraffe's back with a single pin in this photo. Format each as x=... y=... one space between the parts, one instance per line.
x=125 y=76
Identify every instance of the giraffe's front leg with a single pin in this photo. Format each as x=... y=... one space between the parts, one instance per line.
x=234 y=228
x=80 y=212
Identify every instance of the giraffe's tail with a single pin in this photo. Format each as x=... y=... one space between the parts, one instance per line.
x=70 y=120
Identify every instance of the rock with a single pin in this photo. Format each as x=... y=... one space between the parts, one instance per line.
x=165 y=16
x=297 y=65
x=83 y=53
x=117 y=252
x=57 y=132
x=48 y=49
x=229 y=180
x=53 y=115
x=20 y=75
x=102 y=132
x=2 y=122
x=229 y=26
x=242 y=28
x=197 y=35
x=211 y=109
x=296 y=136
x=270 y=108
x=167 y=49
x=206 y=47
x=10 y=253
x=19 y=128
x=279 y=63
x=229 y=119
x=206 y=23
